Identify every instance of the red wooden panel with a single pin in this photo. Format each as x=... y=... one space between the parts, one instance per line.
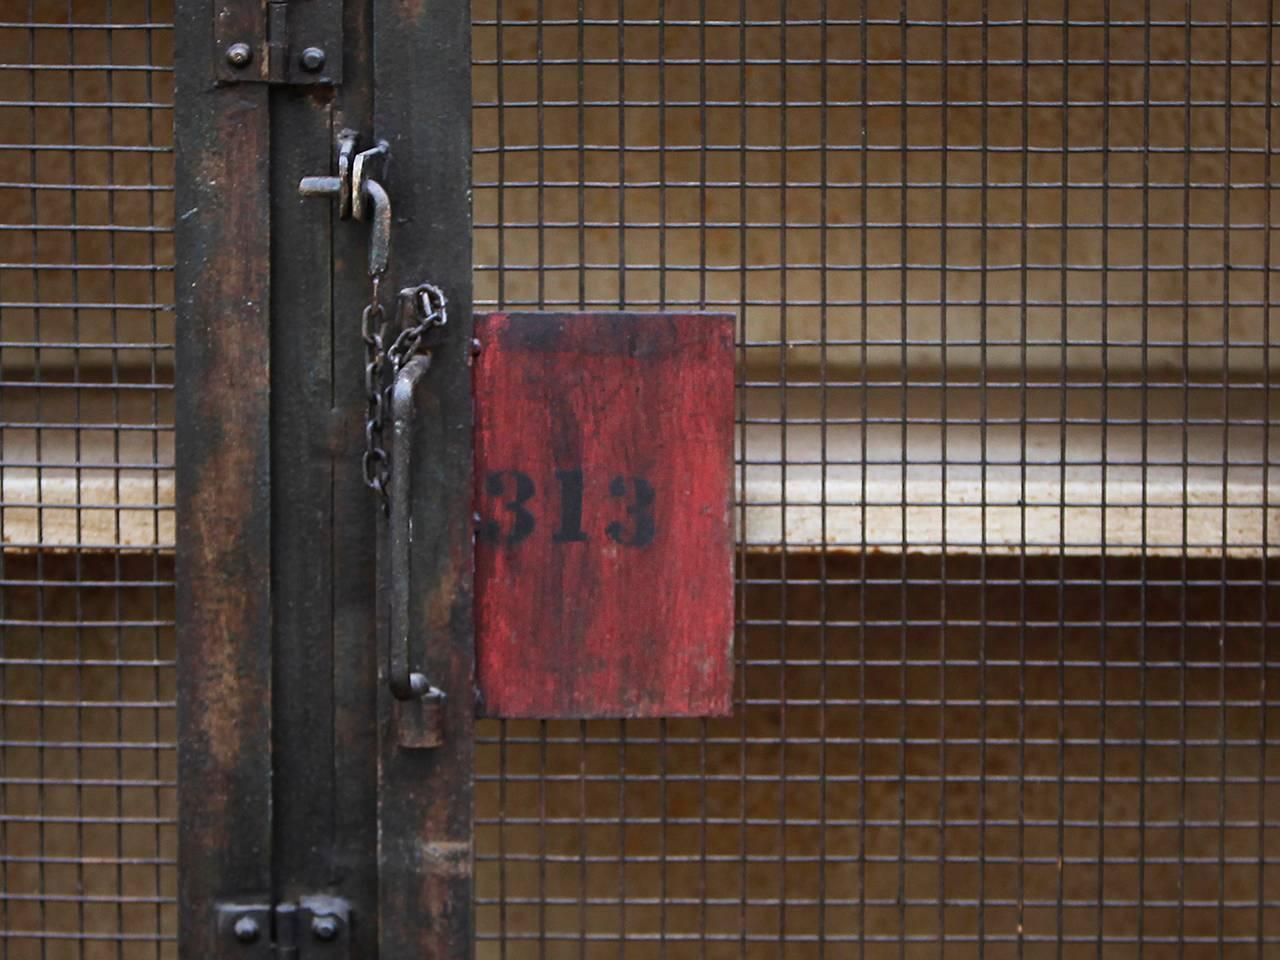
x=604 y=543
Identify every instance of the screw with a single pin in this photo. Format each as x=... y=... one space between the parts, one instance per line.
x=324 y=927
x=246 y=929
x=239 y=55
x=312 y=59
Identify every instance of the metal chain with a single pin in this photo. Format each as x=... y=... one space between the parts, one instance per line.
x=374 y=328
x=430 y=310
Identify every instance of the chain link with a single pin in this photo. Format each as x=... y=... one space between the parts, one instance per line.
x=374 y=329
x=430 y=310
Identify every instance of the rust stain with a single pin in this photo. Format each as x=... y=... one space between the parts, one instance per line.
x=411 y=11
x=447 y=858
x=320 y=94
x=230 y=457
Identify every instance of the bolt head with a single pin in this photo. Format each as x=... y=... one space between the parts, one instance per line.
x=239 y=55
x=324 y=927
x=312 y=59
x=247 y=930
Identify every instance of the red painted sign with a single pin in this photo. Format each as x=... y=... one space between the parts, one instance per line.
x=604 y=539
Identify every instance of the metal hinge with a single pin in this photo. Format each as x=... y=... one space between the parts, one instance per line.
x=277 y=42
x=312 y=928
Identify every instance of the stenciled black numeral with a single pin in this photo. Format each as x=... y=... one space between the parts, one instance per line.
x=570 y=508
x=640 y=510
x=522 y=522
x=516 y=488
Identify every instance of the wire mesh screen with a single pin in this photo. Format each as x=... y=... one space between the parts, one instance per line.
x=1007 y=616
x=86 y=573
x=1007 y=637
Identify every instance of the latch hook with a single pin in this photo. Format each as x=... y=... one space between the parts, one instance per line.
x=359 y=195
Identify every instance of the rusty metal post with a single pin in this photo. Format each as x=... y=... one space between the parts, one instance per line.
x=295 y=788
x=223 y=499
x=277 y=662
x=422 y=78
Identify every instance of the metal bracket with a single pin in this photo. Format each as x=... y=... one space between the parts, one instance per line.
x=280 y=41
x=312 y=928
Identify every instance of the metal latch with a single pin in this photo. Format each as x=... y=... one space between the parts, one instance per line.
x=404 y=352
x=359 y=194
x=312 y=928
x=277 y=41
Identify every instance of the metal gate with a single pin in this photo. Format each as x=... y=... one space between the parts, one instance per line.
x=1007 y=618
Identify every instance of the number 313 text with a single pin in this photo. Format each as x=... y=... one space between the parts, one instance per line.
x=514 y=510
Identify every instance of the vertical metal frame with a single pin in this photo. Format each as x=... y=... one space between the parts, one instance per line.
x=223 y=498
x=292 y=782
x=422 y=82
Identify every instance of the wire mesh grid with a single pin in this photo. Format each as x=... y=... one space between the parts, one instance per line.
x=1007 y=618
x=86 y=573
x=1006 y=641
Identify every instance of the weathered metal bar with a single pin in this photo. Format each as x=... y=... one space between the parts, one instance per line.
x=303 y=464
x=406 y=682
x=355 y=653
x=223 y=499
x=422 y=71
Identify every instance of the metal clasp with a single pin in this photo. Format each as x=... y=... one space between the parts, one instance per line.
x=359 y=195
x=339 y=186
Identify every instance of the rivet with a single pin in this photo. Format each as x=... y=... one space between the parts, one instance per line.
x=312 y=59
x=324 y=927
x=246 y=930
x=239 y=55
